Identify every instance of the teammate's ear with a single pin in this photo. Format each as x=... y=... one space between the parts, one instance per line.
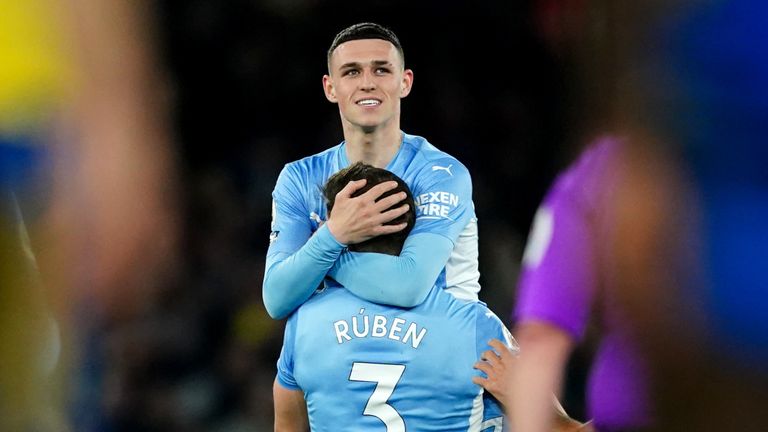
x=330 y=91
x=407 y=83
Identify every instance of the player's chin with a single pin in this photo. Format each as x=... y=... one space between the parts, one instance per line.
x=369 y=125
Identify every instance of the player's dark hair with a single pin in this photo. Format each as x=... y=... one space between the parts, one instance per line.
x=390 y=244
x=366 y=30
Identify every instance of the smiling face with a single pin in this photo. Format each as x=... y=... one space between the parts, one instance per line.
x=367 y=80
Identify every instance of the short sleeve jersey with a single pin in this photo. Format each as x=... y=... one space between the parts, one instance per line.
x=441 y=187
x=365 y=366
x=566 y=277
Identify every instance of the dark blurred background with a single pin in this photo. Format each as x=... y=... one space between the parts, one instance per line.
x=140 y=141
x=491 y=88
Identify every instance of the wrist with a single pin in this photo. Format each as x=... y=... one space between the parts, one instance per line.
x=335 y=235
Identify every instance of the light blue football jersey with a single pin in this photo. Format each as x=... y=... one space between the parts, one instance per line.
x=369 y=367
x=441 y=187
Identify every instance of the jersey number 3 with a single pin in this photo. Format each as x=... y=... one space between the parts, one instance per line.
x=386 y=377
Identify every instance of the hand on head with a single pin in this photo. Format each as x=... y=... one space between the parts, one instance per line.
x=356 y=219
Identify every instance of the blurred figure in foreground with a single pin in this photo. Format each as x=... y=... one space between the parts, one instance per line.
x=692 y=211
x=566 y=285
x=567 y=290
x=687 y=220
x=86 y=171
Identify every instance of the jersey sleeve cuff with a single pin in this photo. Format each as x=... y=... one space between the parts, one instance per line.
x=286 y=384
x=326 y=240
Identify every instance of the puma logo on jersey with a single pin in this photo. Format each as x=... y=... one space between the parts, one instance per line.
x=440 y=168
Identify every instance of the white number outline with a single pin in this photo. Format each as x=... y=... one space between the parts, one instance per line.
x=386 y=376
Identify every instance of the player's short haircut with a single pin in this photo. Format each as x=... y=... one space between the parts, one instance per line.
x=365 y=30
x=390 y=244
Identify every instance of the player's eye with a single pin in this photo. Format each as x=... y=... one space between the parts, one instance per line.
x=382 y=71
x=351 y=72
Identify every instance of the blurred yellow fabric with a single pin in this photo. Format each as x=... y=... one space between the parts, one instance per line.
x=35 y=65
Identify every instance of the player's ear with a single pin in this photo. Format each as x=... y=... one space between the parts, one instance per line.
x=407 y=83
x=330 y=91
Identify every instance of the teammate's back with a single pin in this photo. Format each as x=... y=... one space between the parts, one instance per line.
x=364 y=366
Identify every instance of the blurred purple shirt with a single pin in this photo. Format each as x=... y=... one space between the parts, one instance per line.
x=566 y=282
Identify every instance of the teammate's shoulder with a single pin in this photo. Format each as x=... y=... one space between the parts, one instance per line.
x=489 y=324
x=479 y=306
x=484 y=313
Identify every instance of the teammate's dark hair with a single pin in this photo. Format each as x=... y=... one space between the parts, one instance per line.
x=366 y=30
x=390 y=244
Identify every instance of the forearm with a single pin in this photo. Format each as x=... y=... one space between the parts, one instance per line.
x=288 y=282
x=290 y=409
x=544 y=351
x=409 y=277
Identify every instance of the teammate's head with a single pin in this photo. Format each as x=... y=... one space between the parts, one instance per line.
x=365 y=30
x=390 y=244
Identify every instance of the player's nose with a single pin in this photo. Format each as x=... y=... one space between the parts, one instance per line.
x=367 y=82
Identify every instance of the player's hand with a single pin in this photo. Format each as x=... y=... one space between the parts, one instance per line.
x=355 y=220
x=497 y=365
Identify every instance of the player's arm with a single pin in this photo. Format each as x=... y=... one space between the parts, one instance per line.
x=556 y=291
x=290 y=409
x=297 y=260
x=538 y=374
x=406 y=279
x=290 y=279
x=402 y=280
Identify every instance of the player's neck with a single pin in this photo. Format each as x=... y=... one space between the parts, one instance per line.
x=377 y=147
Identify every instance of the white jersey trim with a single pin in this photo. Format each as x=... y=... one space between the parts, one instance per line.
x=476 y=416
x=462 y=274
